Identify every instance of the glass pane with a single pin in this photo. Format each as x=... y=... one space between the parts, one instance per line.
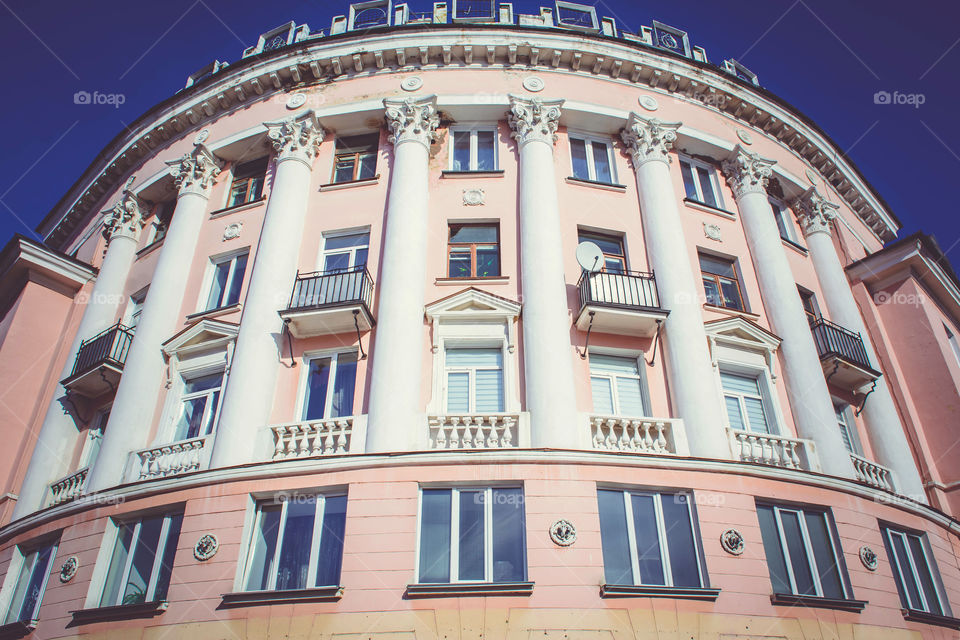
x=294 y=560
x=360 y=258
x=343 y=389
x=601 y=162
x=191 y=418
x=435 y=536
x=264 y=548
x=26 y=599
x=717 y=266
x=648 y=540
x=169 y=552
x=712 y=292
x=781 y=221
x=458 y=392
x=614 y=264
x=776 y=564
x=631 y=400
x=220 y=273
x=602 y=397
x=368 y=166
x=733 y=412
x=256 y=189
x=471 y=536
x=827 y=566
x=239 y=267
x=315 y=402
x=926 y=579
x=203 y=383
x=330 y=556
x=610 y=246
x=459 y=263
x=346 y=241
x=680 y=543
x=336 y=262
x=211 y=414
x=617 y=568
x=489 y=391
x=144 y=554
x=238 y=194
x=689 y=187
x=486 y=151
x=462 y=233
x=461 y=150
x=798 y=554
x=492 y=358
x=578 y=153
x=706 y=185
x=488 y=261
x=508 y=539
x=344 y=169
x=906 y=574
x=756 y=415
x=118 y=562
x=731 y=294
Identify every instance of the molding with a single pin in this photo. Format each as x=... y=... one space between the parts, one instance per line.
x=594 y=184
x=794 y=600
x=412 y=120
x=931 y=618
x=203 y=334
x=471 y=174
x=534 y=120
x=700 y=206
x=735 y=313
x=220 y=213
x=17 y=630
x=467 y=589
x=747 y=172
x=118 y=612
x=214 y=313
x=649 y=139
x=29 y=255
x=296 y=138
x=349 y=184
x=289 y=596
x=644 y=591
x=449 y=282
x=795 y=246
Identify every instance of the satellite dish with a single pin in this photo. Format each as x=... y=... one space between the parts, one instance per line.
x=590 y=257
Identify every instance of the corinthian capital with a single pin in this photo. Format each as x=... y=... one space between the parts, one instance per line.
x=412 y=119
x=747 y=172
x=534 y=119
x=649 y=139
x=296 y=138
x=814 y=213
x=125 y=218
x=196 y=171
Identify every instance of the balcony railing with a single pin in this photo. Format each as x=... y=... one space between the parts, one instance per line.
x=630 y=290
x=172 y=459
x=69 y=488
x=108 y=347
x=871 y=473
x=332 y=288
x=635 y=435
x=834 y=340
x=313 y=439
x=477 y=431
x=773 y=450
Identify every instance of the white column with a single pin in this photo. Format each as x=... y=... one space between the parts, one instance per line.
x=248 y=398
x=547 y=351
x=396 y=415
x=685 y=350
x=51 y=454
x=143 y=373
x=813 y=411
x=887 y=436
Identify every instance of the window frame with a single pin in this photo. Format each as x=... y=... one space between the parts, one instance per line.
x=357 y=7
x=716 y=278
x=842 y=409
x=473 y=250
x=307 y=358
x=781 y=215
x=471 y=379
x=576 y=6
x=814 y=313
x=764 y=386
x=491 y=18
x=246 y=180
x=473 y=130
x=641 y=377
x=15 y=569
x=952 y=341
x=338 y=155
x=135 y=303
x=185 y=378
x=99 y=583
x=586 y=235
x=97 y=425
x=698 y=187
x=887 y=530
x=351 y=251
x=213 y=262
x=589 y=140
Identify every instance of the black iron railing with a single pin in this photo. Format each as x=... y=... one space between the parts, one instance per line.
x=630 y=289
x=332 y=288
x=834 y=340
x=108 y=347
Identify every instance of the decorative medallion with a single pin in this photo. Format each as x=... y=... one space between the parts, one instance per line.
x=732 y=542
x=533 y=83
x=206 y=547
x=563 y=533
x=649 y=103
x=744 y=136
x=232 y=231
x=296 y=101
x=69 y=569
x=412 y=83
x=473 y=197
x=811 y=176
x=201 y=137
x=869 y=558
x=712 y=231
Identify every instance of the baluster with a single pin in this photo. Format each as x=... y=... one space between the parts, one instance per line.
x=493 y=436
x=466 y=436
x=155 y=468
x=278 y=445
x=507 y=439
x=341 y=442
x=146 y=459
x=597 y=435
x=454 y=438
x=638 y=435
x=648 y=442
x=623 y=442
x=661 y=438
x=440 y=440
x=794 y=457
x=610 y=443
x=328 y=438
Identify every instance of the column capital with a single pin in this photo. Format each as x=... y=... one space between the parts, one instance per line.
x=534 y=119
x=412 y=119
x=814 y=212
x=296 y=138
x=747 y=172
x=125 y=219
x=196 y=171
x=649 y=139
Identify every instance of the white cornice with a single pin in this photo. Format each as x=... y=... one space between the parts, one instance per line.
x=37 y=258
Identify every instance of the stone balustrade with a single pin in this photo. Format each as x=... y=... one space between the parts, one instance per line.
x=872 y=474
x=172 y=458
x=69 y=488
x=773 y=450
x=634 y=435
x=477 y=431
x=314 y=439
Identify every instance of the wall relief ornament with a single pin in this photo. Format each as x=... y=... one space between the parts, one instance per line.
x=296 y=138
x=195 y=172
x=563 y=533
x=744 y=136
x=814 y=213
x=811 y=176
x=201 y=137
x=232 y=231
x=712 y=231
x=125 y=219
x=869 y=558
x=649 y=103
x=69 y=569
x=732 y=542
x=206 y=547
x=413 y=119
x=412 y=83
x=534 y=119
x=296 y=101
x=534 y=84
x=649 y=139
x=473 y=197
x=747 y=172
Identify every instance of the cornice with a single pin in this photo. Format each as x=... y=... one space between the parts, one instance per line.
x=410 y=48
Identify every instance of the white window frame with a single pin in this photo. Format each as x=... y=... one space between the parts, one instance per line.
x=576 y=6
x=931 y=567
x=212 y=263
x=357 y=7
x=471 y=375
x=764 y=398
x=589 y=141
x=954 y=344
x=15 y=569
x=99 y=582
x=455 y=531
x=352 y=251
x=808 y=549
x=782 y=213
x=714 y=181
x=135 y=308
x=309 y=357
x=848 y=424
x=100 y=420
x=185 y=377
x=641 y=376
x=473 y=130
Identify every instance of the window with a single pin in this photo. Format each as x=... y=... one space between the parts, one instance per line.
x=803 y=556
x=471 y=535
x=700 y=182
x=782 y=215
x=474 y=150
x=720 y=282
x=247 y=182
x=474 y=10
x=135 y=308
x=592 y=159
x=810 y=306
x=847 y=427
x=614 y=257
x=356 y=158
x=161 y=220
x=918 y=581
x=473 y=251
x=31 y=581
x=346 y=251
x=954 y=345
x=141 y=560
x=474 y=380
x=91 y=448
x=617 y=385
x=200 y=406
x=331 y=381
x=364 y=15
x=297 y=543
x=227 y=281
x=745 y=402
x=576 y=16
x=649 y=539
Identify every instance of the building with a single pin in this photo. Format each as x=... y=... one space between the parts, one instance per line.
x=473 y=324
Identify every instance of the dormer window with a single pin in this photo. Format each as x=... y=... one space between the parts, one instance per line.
x=365 y=15
x=576 y=16
x=474 y=10
x=671 y=39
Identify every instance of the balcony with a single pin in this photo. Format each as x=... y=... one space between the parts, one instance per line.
x=330 y=302
x=69 y=488
x=318 y=438
x=773 y=450
x=99 y=362
x=171 y=459
x=872 y=474
x=479 y=431
x=842 y=356
x=656 y=436
x=621 y=303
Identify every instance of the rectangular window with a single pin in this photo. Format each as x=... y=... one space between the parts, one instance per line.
x=576 y=16
x=356 y=158
x=474 y=10
x=247 y=183
x=720 y=282
x=614 y=256
x=649 y=539
x=700 y=182
x=592 y=159
x=344 y=252
x=954 y=345
x=471 y=535
x=91 y=448
x=200 y=406
x=803 y=557
x=474 y=380
x=331 y=382
x=473 y=150
x=135 y=308
x=745 y=402
x=617 y=386
x=918 y=581
x=297 y=543
x=810 y=306
x=847 y=427
x=161 y=220
x=141 y=561
x=473 y=251
x=374 y=13
x=782 y=215
x=227 y=281
x=30 y=584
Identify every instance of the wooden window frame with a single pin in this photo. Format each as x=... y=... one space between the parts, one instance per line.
x=473 y=250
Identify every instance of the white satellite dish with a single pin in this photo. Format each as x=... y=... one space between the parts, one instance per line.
x=590 y=257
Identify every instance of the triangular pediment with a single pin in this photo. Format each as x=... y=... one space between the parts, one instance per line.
x=743 y=333
x=472 y=302
x=202 y=334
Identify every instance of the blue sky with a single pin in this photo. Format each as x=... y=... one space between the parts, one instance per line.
x=826 y=57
